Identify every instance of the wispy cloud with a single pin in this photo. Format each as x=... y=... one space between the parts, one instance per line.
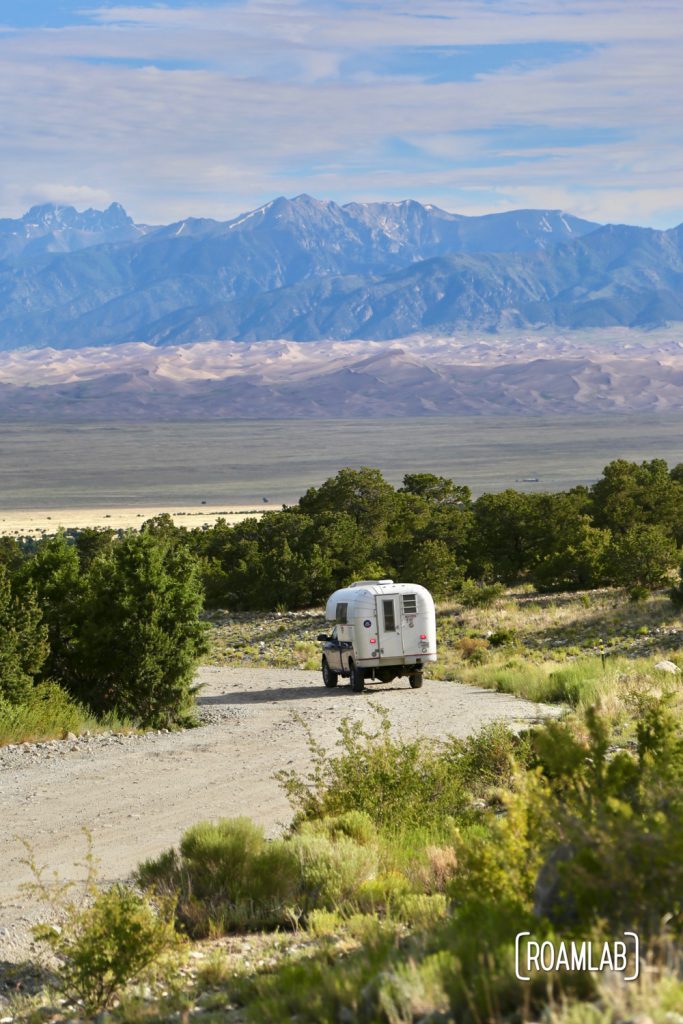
x=211 y=108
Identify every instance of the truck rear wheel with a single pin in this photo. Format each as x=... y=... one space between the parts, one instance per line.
x=357 y=678
x=415 y=680
x=329 y=677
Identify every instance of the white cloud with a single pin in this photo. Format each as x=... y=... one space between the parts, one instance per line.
x=260 y=106
x=67 y=195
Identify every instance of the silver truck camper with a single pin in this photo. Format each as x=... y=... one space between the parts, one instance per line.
x=382 y=630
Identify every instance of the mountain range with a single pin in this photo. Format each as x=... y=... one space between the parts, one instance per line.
x=306 y=269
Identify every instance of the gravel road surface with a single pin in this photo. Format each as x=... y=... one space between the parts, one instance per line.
x=137 y=794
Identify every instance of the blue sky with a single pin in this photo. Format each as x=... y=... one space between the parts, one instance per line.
x=211 y=108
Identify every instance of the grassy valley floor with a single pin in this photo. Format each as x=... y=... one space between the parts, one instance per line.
x=229 y=463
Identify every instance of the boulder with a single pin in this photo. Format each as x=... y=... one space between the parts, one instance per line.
x=667 y=666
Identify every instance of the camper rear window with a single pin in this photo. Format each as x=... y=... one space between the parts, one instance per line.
x=341 y=613
x=389 y=617
x=410 y=604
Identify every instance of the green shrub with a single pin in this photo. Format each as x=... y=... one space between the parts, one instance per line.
x=400 y=784
x=503 y=638
x=107 y=945
x=356 y=825
x=104 y=940
x=480 y=595
x=611 y=822
x=382 y=893
x=226 y=877
x=499 y=862
x=159 y=873
x=141 y=637
x=331 y=872
x=490 y=757
x=420 y=910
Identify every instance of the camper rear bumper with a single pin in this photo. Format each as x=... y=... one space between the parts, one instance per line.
x=407 y=659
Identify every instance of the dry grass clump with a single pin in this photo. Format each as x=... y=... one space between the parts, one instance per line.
x=439 y=866
x=472 y=648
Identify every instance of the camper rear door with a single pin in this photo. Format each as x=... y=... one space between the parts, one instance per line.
x=389 y=622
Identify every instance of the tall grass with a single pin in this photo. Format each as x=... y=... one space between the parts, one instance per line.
x=578 y=683
x=50 y=713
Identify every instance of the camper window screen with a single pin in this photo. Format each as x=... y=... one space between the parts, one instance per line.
x=410 y=604
x=341 y=613
x=389 y=617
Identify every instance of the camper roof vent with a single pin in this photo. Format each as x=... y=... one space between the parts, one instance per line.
x=371 y=583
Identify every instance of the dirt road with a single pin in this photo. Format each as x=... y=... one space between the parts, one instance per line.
x=137 y=794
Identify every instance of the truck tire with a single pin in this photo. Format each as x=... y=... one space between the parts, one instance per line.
x=329 y=677
x=415 y=680
x=357 y=678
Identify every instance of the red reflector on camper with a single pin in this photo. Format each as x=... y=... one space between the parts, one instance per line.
x=372 y=640
x=423 y=636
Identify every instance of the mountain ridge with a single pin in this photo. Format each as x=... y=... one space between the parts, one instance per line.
x=53 y=228
x=309 y=269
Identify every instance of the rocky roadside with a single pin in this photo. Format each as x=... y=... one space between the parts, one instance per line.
x=204 y=977
x=284 y=639
x=18 y=755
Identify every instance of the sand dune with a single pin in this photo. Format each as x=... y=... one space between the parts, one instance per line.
x=595 y=371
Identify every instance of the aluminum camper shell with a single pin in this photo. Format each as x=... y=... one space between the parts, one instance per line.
x=382 y=630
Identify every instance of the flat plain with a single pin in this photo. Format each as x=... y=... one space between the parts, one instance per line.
x=35 y=522
x=240 y=462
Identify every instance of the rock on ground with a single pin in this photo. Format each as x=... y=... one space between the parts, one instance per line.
x=668 y=666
